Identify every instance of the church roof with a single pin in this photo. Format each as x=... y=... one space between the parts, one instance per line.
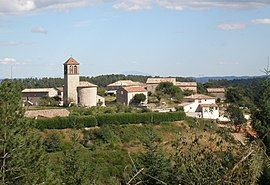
x=71 y=61
x=86 y=84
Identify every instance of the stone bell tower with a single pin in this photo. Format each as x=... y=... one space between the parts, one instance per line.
x=71 y=81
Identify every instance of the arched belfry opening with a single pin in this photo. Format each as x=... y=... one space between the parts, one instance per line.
x=75 y=70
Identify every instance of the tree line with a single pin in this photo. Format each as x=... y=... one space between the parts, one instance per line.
x=101 y=81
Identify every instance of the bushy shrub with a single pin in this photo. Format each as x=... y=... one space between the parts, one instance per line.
x=52 y=143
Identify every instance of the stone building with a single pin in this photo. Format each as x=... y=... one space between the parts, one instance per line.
x=113 y=87
x=191 y=86
x=125 y=95
x=76 y=91
x=152 y=83
x=33 y=96
x=219 y=93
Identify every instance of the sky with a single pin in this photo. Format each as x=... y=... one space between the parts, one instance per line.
x=155 y=37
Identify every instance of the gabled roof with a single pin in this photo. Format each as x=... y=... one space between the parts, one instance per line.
x=125 y=83
x=160 y=80
x=71 y=61
x=134 y=89
x=198 y=97
x=186 y=84
x=216 y=90
x=86 y=84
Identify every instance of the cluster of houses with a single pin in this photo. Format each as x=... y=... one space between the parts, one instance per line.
x=84 y=93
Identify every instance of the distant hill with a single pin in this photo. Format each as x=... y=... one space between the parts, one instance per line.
x=206 y=79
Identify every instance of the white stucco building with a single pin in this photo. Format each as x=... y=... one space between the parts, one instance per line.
x=75 y=91
x=201 y=106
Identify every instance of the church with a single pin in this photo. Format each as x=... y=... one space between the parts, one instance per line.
x=78 y=92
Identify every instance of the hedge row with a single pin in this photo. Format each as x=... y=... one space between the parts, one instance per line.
x=123 y=118
x=66 y=122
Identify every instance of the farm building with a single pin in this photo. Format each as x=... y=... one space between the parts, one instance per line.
x=34 y=96
x=125 y=95
x=191 y=86
x=217 y=92
x=113 y=87
x=152 y=83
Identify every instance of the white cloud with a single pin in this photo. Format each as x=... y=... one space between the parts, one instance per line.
x=12 y=7
x=133 y=5
x=205 y=4
x=231 y=26
x=261 y=21
x=8 y=61
x=39 y=29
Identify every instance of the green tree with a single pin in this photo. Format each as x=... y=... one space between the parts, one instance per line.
x=74 y=170
x=167 y=88
x=157 y=166
x=201 y=89
x=138 y=98
x=22 y=155
x=235 y=115
x=261 y=111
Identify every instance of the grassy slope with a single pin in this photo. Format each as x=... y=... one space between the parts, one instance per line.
x=107 y=149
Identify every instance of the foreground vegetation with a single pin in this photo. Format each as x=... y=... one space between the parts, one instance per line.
x=183 y=152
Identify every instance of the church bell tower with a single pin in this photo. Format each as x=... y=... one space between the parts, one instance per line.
x=71 y=81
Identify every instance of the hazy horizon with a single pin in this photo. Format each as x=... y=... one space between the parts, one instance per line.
x=156 y=37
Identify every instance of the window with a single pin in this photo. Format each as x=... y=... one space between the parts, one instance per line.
x=75 y=70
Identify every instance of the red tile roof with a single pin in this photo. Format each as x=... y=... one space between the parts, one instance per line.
x=71 y=61
x=135 y=89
